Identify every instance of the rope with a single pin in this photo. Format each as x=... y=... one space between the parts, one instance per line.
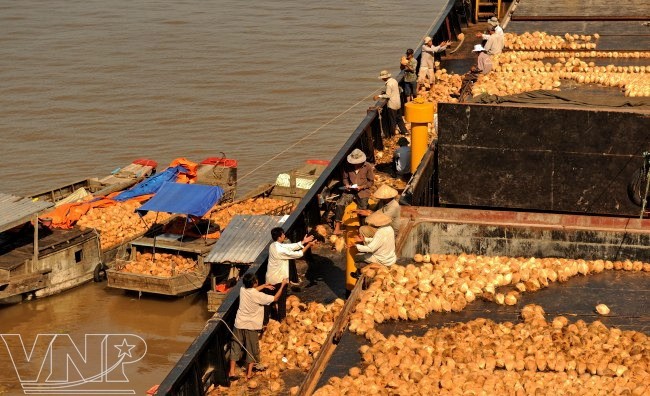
x=328 y=122
x=308 y=135
x=238 y=341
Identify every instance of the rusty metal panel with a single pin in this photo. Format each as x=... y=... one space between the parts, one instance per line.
x=540 y=158
x=15 y=210
x=502 y=233
x=243 y=240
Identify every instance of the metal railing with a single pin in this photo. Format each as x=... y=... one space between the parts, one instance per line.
x=204 y=363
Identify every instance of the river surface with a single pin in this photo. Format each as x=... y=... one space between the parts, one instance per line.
x=87 y=86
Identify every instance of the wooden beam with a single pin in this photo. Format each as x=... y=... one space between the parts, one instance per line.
x=35 y=259
x=340 y=325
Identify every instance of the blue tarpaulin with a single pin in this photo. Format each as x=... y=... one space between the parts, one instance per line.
x=152 y=184
x=189 y=199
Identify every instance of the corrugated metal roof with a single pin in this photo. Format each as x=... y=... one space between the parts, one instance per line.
x=14 y=210
x=243 y=239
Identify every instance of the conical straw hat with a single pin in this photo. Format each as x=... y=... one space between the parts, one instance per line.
x=367 y=231
x=378 y=219
x=385 y=192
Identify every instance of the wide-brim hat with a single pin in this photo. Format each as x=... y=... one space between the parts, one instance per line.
x=367 y=231
x=385 y=192
x=378 y=219
x=384 y=74
x=357 y=157
x=493 y=21
x=478 y=48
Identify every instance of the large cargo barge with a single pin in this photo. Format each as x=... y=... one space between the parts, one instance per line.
x=535 y=183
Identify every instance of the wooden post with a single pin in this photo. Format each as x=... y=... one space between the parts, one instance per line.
x=35 y=259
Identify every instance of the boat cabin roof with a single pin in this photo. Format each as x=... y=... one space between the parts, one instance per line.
x=17 y=245
x=16 y=210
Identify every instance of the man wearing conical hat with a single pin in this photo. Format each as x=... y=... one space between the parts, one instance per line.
x=387 y=204
x=358 y=177
x=380 y=248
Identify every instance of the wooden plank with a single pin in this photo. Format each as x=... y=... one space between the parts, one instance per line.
x=340 y=325
x=198 y=246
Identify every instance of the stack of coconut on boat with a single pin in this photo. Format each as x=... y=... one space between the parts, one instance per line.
x=254 y=206
x=160 y=264
x=522 y=71
x=119 y=222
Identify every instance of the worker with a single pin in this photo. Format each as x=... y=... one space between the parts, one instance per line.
x=278 y=268
x=387 y=204
x=391 y=92
x=426 y=74
x=358 y=177
x=494 y=43
x=402 y=158
x=249 y=321
x=409 y=64
x=378 y=248
x=484 y=63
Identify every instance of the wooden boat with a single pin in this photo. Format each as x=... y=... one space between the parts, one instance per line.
x=177 y=283
x=212 y=171
x=37 y=261
x=290 y=187
x=120 y=179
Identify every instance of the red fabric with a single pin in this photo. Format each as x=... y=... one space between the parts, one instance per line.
x=227 y=162
x=146 y=162
x=318 y=162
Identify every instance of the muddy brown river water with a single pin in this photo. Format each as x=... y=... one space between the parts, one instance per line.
x=88 y=86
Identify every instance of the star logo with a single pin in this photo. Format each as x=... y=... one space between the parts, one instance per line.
x=125 y=349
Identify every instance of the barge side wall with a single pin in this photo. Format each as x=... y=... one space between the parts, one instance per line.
x=540 y=158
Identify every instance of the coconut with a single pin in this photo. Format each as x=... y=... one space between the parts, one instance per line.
x=602 y=309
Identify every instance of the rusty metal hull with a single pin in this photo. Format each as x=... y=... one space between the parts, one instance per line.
x=506 y=233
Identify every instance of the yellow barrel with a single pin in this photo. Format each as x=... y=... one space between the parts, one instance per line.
x=351 y=222
x=419 y=113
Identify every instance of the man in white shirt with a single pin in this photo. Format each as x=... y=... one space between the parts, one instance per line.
x=394 y=105
x=381 y=247
x=426 y=76
x=494 y=44
x=493 y=23
x=249 y=322
x=278 y=267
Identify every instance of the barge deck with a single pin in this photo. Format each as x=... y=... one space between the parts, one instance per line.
x=501 y=225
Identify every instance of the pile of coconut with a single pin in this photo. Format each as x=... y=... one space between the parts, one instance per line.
x=522 y=70
x=482 y=357
x=290 y=345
